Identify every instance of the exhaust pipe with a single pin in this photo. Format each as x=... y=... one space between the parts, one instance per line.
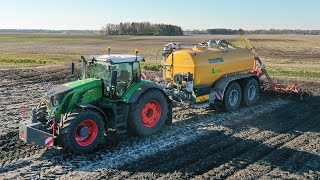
x=84 y=67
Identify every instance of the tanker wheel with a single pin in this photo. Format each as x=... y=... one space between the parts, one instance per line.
x=250 y=92
x=232 y=97
x=82 y=132
x=149 y=114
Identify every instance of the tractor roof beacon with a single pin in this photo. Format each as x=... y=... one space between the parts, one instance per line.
x=117 y=58
x=75 y=115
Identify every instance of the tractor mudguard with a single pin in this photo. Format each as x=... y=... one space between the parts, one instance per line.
x=90 y=106
x=135 y=96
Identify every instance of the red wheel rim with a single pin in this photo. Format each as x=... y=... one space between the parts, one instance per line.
x=151 y=113
x=92 y=131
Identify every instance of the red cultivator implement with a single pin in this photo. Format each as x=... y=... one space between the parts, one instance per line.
x=270 y=85
x=293 y=90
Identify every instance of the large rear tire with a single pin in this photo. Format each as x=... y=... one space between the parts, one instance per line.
x=82 y=131
x=250 y=92
x=232 y=97
x=148 y=115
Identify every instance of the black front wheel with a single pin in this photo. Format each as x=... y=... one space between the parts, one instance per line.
x=82 y=131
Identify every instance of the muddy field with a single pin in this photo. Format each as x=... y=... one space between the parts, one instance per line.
x=279 y=138
x=273 y=49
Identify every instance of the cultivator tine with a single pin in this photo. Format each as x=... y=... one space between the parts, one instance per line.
x=305 y=95
x=270 y=85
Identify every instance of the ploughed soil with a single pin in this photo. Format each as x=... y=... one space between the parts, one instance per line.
x=278 y=138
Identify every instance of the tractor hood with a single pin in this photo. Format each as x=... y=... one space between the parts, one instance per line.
x=84 y=83
x=56 y=95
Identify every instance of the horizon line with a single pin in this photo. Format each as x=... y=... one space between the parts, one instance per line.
x=182 y=29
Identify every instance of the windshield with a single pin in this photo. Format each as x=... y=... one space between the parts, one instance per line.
x=126 y=74
x=101 y=70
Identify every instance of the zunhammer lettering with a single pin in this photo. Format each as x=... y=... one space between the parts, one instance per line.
x=215 y=60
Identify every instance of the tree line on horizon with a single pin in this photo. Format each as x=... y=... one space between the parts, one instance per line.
x=141 y=28
x=224 y=31
x=146 y=28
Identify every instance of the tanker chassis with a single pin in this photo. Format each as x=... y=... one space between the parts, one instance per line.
x=76 y=115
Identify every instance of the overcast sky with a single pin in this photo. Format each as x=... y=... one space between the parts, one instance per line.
x=189 y=14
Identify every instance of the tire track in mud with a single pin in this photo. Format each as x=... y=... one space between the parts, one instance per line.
x=312 y=167
x=12 y=149
x=299 y=155
x=281 y=159
x=201 y=163
x=270 y=145
x=12 y=102
x=255 y=154
x=286 y=138
x=190 y=155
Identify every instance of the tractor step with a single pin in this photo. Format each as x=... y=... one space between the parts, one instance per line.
x=121 y=118
x=121 y=131
x=119 y=122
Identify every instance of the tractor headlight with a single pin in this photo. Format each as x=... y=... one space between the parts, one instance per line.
x=54 y=109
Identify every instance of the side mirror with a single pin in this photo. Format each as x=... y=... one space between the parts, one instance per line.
x=84 y=67
x=114 y=78
x=72 y=68
x=93 y=60
x=111 y=67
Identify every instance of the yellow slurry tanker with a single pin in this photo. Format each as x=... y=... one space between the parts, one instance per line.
x=214 y=73
x=208 y=64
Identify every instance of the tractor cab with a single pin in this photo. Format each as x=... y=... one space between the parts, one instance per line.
x=117 y=72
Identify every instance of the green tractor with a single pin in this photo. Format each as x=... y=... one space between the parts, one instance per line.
x=77 y=115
